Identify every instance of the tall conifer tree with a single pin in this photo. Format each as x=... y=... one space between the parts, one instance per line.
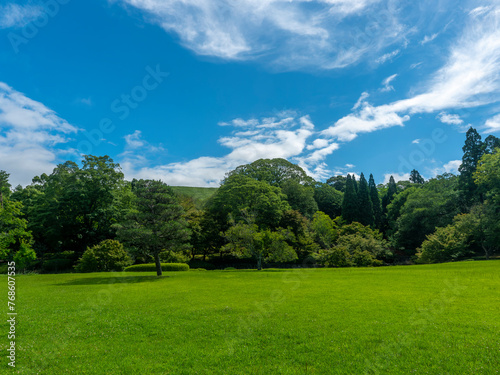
x=350 y=202
x=365 y=207
x=416 y=178
x=473 y=150
x=392 y=190
x=377 y=208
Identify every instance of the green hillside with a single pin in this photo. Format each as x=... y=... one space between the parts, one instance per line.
x=199 y=194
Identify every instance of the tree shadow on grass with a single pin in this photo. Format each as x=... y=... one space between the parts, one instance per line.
x=112 y=280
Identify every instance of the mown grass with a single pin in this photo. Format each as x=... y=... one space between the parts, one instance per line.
x=429 y=319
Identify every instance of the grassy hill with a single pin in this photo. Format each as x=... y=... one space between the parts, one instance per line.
x=199 y=194
x=428 y=319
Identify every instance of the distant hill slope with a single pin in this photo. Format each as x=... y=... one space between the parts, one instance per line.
x=199 y=194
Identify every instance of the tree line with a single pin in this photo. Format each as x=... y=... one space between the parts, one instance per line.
x=268 y=212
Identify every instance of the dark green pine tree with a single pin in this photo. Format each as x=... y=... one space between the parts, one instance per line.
x=355 y=183
x=365 y=207
x=377 y=208
x=416 y=178
x=350 y=202
x=473 y=150
x=392 y=190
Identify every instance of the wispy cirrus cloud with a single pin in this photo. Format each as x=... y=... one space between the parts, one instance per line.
x=469 y=78
x=387 y=57
x=14 y=15
x=387 y=83
x=29 y=134
x=328 y=34
x=429 y=38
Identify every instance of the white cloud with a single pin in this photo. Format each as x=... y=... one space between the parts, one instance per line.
x=289 y=34
x=397 y=177
x=16 y=16
x=415 y=65
x=350 y=166
x=416 y=141
x=450 y=167
x=361 y=100
x=281 y=136
x=137 y=149
x=428 y=38
x=367 y=119
x=134 y=140
x=387 y=83
x=492 y=124
x=318 y=143
x=479 y=11
x=446 y=118
x=28 y=133
x=469 y=78
x=238 y=122
x=387 y=57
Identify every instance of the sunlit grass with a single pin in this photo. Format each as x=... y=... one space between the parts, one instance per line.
x=432 y=319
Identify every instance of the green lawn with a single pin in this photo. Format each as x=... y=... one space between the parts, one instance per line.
x=429 y=319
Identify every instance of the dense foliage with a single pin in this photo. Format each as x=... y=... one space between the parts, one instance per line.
x=109 y=255
x=265 y=213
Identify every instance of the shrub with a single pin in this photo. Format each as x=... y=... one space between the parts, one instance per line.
x=170 y=256
x=229 y=269
x=197 y=263
x=151 y=267
x=108 y=255
x=448 y=243
x=57 y=262
x=337 y=257
x=358 y=249
x=56 y=265
x=362 y=258
x=3 y=268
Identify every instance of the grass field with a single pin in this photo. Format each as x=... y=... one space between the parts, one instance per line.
x=429 y=319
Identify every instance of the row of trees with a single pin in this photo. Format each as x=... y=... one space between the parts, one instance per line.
x=269 y=211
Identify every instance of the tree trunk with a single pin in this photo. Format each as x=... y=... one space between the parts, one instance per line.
x=486 y=252
x=158 y=265
x=259 y=263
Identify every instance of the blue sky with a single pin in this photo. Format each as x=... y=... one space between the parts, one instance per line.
x=186 y=90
